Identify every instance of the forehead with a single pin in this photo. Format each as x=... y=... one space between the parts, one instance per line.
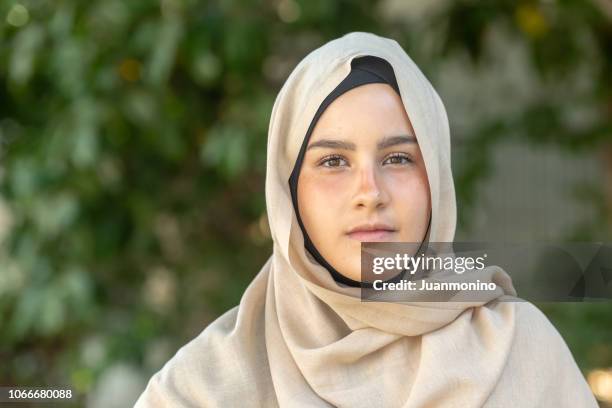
x=371 y=109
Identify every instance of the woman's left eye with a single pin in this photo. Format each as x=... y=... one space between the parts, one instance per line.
x=398 y=158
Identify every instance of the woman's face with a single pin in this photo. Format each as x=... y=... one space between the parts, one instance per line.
x=363 y=178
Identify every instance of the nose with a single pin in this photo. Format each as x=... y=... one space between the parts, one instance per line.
x=370 y=192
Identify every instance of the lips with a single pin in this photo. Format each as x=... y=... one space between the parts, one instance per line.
x=375 y=232
x=371 y=236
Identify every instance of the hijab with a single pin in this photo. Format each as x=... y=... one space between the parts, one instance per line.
x=298 y=338
x=364 y=70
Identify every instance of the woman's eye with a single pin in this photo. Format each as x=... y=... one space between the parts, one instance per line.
x=333 y=161
x=339 y=161
x=398 y=159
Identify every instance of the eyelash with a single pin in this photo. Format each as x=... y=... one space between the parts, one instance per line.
x=327 y=159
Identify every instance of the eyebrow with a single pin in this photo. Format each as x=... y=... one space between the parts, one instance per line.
x=344 y=145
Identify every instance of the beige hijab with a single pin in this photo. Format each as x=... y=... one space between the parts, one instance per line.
x=299 y=339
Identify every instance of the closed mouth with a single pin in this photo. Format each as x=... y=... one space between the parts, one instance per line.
x=371 y=236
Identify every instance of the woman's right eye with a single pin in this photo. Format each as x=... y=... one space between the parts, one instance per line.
x=333 y=161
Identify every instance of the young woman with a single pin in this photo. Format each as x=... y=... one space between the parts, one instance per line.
x=359 y=151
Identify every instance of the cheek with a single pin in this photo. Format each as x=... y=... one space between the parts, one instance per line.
x=411 y=196
x=321 y=198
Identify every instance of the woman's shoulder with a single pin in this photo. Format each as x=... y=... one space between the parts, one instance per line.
x=533 y=319
x=533 y=332
x=530 y=321
x=222 y=365
x=540 y=362
x=176 y=383
x=534 y=328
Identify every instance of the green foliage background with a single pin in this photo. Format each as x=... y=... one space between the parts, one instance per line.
x=132 y=159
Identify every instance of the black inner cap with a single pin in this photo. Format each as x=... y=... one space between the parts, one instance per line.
x=364 y=70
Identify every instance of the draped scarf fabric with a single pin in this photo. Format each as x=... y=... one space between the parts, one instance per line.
x=300 y=339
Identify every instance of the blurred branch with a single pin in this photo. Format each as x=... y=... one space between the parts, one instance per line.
x=605 y=6
x=607 y=180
